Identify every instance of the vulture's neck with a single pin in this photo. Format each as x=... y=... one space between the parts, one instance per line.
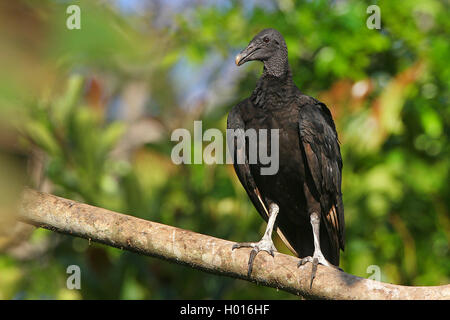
x=274 y=87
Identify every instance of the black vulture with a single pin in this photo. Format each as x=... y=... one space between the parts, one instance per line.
x=303 y=200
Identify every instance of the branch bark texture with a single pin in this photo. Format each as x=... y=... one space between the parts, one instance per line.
x=206 y=253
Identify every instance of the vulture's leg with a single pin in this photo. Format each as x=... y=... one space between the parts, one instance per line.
x=266 y=243
x=317 y=257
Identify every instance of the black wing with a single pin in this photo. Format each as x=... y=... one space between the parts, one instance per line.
x=235 y=122
x=322 y=152
x=242 y=168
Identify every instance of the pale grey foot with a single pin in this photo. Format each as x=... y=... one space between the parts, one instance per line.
x=317 y=257
x=265 y=244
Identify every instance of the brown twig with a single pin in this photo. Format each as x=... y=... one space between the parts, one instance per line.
x=207 y=253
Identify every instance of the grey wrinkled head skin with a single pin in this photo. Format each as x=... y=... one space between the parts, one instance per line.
x=269 y=47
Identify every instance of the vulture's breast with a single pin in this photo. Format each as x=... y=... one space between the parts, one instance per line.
x=286 y=186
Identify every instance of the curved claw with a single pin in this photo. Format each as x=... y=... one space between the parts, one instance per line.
x=252 y=257
x=253 y=254
x=303 y=261
x=263 y=245
x=315 y=260
x=314 y=270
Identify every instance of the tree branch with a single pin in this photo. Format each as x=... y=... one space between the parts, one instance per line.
x=206 y=253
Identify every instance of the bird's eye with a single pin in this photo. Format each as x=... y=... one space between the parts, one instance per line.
x=266 y=39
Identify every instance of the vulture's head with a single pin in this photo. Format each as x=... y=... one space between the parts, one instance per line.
x=269 y=47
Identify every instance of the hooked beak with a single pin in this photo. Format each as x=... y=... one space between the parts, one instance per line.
x=245 y=55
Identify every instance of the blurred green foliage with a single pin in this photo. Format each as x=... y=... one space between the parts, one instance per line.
x=92 y=111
